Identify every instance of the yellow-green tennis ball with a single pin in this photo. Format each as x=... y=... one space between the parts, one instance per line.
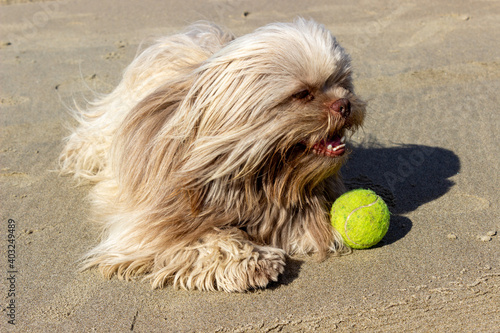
x=361 y=217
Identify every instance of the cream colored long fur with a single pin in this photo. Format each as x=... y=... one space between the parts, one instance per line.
x=203 y=157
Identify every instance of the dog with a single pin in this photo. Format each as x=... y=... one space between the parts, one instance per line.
x=217 y=157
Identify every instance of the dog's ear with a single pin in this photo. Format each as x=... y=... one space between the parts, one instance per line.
x=144 y=155
x=157 y=140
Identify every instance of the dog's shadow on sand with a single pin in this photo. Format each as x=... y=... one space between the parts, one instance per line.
x=405 y=176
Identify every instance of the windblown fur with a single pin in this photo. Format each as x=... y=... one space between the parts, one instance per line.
x=210 y=158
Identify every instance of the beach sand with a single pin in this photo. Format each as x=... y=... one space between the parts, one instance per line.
x=431 y=74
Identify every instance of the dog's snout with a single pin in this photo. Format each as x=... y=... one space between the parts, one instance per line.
x=342 y=106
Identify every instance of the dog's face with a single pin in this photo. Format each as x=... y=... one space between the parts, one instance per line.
x=273 y=107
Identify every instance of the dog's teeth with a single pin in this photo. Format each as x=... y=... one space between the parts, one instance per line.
x=329 y=147
x=338 y=147
x=342 y=139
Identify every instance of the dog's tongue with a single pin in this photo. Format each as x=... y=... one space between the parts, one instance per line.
x=334 y=146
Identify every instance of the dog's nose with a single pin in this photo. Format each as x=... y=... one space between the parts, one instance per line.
x=342 y=106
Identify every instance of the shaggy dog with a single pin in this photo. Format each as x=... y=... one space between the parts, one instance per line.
x=217 y=156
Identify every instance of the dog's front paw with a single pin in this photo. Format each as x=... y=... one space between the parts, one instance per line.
x=262 y=266
x=269 y=264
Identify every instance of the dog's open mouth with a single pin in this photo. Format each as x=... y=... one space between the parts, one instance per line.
x=331 y=147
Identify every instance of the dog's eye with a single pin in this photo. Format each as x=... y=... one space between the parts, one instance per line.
x=304 y=95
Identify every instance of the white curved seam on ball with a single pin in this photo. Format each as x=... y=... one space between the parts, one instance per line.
x=348 y=216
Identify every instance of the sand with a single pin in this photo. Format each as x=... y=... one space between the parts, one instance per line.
x=431 y=74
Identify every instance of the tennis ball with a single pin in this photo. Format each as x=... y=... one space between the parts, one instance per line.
x=361 y=217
